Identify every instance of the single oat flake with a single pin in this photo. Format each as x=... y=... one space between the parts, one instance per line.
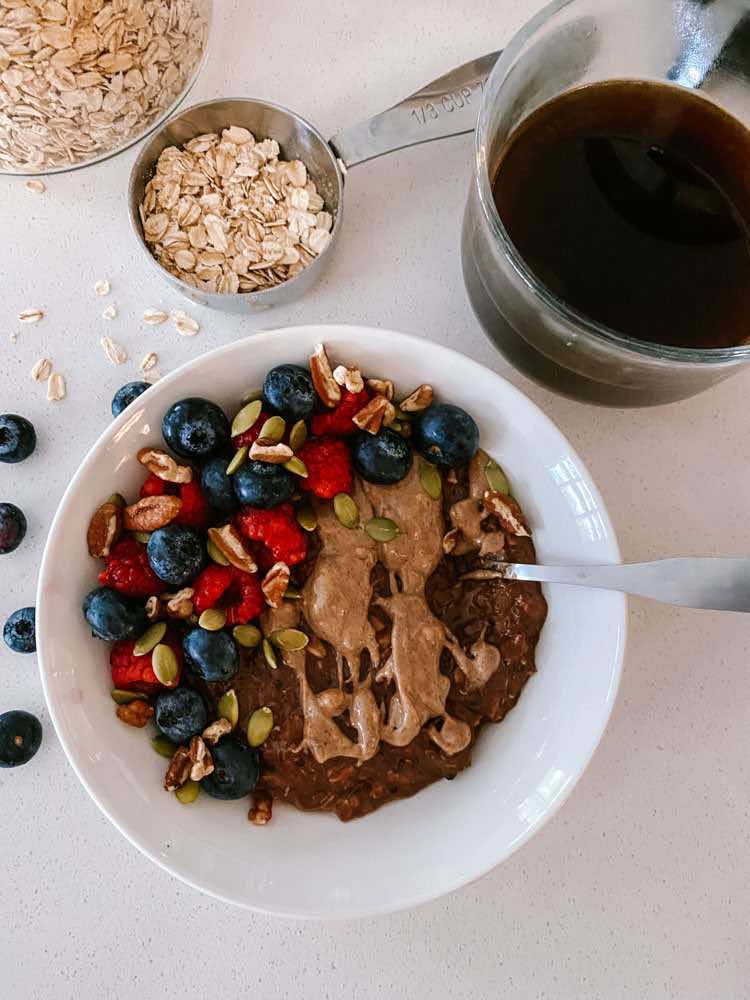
x=110 y=312
x=186 y=325
x=114 y=351
x=102 y=287
x=154 y=316
x=149 y=361
x=56 y=389
x=36 y=185
x=30 y=315
x=41 y=370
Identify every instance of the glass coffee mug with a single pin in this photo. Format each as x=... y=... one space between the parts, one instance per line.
x=704 y=46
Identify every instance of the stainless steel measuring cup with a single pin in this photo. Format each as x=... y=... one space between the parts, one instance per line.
x=447 y=106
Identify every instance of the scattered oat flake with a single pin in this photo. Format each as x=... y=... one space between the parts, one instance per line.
x=149 y=361
x=56 y=387
x=42 y=370
x=35 y=185
x=151 y=376
x=102 y=287
x=30 y=315
x=154 y=316
x=186 y=325
x=114 y=352
x=12 y=337
x=109 y=313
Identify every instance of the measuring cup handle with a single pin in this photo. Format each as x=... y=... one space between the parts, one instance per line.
x=447 y=106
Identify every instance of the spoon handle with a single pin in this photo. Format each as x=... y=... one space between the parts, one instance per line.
x=714 y=584
x=447 y=106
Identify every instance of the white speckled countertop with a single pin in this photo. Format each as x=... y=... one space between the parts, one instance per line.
x=638 y=888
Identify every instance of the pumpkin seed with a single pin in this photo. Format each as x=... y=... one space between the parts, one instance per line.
x=298 y=435
x=259 y=727
x=382 y=529
x=117 y=499
x=293 y=593
x=149 y=639
x=269 y=655
x=239 y=459
x=213 y=619
x=291 y=640
x=496 y=478
x=247 y=635
x=247 y=416
x=215 y=553
x=273 y=429
x=430 y=479
x=164 y=664
x=125 y=697
x=163 y=746
x=306 y=517
x=296 y=466
x=189 y=792
x=141 y=536
x=346 y=510
x=228 y=707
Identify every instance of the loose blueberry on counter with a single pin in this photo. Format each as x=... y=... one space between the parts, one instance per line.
x=211 y=655
x=176 y=554
x=382 y=458
x=445 y=435
x=12 y=527
x=263 y=484
x=17 y=438
x=20 y=738
x=126 y=394
x=195 y=428
x=19 y=631
x=236 y=770
x=218 y=487
x=113 y=617
x=288 y=390
x=180 y=714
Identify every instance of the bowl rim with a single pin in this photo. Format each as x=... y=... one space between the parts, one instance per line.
x=117 y=426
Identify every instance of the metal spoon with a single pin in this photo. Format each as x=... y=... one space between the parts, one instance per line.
x=713 y=584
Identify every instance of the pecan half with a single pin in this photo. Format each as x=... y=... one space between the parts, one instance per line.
x=418 y=400
x=151 y=513
x=275 y=583
x=179 y=605
x=213 y=733
x=322 y=377
x=261 y=809
x=509 y=514
x=105 y=528
x=350 y=378
x=378 y=413
x=154 y=610
x=135 y=713
x=265 y=450
x=232 y=546
x=164 y=466
x=201 y=760
x=178 y=771
x=381 y=387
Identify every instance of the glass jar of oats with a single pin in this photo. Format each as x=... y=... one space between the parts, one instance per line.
x=83 y=79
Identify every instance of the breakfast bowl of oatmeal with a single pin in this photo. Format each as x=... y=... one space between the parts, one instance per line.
x=276 y=640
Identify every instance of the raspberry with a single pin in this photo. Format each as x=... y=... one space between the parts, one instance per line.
x=329 y=467
x=128 y=570
x=339 y=421
x=247 y=437
x=155 y=487
x=227 y=587
x=277 y=529
x=134 y=673
x=195 y=511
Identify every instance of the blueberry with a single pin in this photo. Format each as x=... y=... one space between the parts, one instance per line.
x=12 y=527
x=181 y=714
x=17 y=438
x=211 y=655
x=382 y=458
x=20 y=631
x=175 y=554
x=126 y=394
x=236 y=770
x=445 y=435
x=195 y=428
x=288 y=390
x=263 y=484
x=20 y=738
x=113 y=617
x=218 y=487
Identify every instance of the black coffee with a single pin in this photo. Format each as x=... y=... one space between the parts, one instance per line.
x=631 y=202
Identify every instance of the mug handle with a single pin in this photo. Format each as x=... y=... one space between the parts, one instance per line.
x=447 y=106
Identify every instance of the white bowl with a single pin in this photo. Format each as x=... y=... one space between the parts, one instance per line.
x=313 y=865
